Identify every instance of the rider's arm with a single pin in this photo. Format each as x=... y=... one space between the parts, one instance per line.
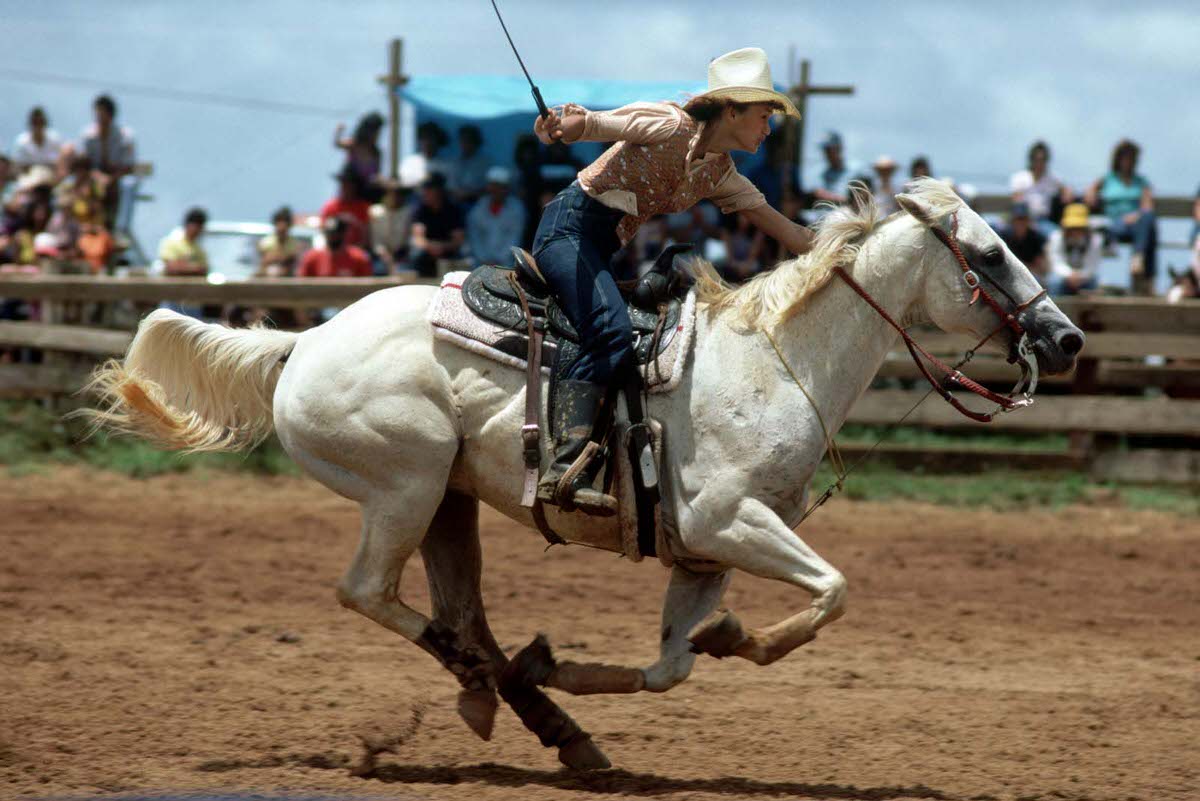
x=640 y=123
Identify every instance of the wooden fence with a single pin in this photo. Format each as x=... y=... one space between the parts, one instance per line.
x=1130 y=407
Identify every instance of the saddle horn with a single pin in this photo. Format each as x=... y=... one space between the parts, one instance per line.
x=653 y=287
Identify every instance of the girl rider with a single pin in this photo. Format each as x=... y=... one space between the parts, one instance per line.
x=666 y=159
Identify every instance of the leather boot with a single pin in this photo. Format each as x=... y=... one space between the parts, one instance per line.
x=567 y=482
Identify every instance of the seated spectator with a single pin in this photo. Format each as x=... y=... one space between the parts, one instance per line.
x=833 y=184
x=743 y=249
x=110 y=150
x=466 y=176
x=885 y=193
x=38 y=145
x=496 y=222
x=339 y=258
x=1075 y=251
x=181 y=252
x=416 y=167
x=1126 y=198
x=1038 y=188
x=391 y=220
x=1026 y=242
x=437 y=228
x=279 y=252
x=363 y=155
x=350 y=205
x=917 y=168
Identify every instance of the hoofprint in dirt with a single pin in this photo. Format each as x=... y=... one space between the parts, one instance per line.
x=181 y=633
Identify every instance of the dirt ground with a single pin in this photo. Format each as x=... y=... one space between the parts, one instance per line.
x=181 y=634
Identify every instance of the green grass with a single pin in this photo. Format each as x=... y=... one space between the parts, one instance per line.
x=35 y=439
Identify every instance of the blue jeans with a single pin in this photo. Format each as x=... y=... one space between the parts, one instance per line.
x=1143 y=234
x=574 y=244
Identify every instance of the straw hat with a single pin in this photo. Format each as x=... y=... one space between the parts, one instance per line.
x=1075 y=216
x=744 y=76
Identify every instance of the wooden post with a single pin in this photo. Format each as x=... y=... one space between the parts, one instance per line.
x=799 y=94
x=393 y=81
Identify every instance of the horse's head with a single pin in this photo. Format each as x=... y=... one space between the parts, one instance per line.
x=956 y=300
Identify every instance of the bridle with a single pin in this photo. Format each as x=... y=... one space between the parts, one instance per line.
x=1021 y=394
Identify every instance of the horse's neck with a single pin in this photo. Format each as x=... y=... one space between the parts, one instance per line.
x=836 y=344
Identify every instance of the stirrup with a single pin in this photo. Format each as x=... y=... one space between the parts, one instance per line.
x=561 y=490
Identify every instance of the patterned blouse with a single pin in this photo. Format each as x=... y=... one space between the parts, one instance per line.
x=653 y=168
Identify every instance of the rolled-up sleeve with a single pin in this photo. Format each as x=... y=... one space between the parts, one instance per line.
x=639 y=123
x=735 y=193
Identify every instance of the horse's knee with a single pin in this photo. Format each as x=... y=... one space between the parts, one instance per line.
x=667 y=673
x=832 y=598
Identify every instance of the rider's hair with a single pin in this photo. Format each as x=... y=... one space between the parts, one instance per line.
x=704 y=109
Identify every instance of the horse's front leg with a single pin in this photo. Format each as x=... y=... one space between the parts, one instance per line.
x=753 y=538
x=690 y=598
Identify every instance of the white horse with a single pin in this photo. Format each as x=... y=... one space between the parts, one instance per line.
x=418 y=431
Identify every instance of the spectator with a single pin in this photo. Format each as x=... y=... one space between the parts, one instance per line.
x=1026 y=242
x=349 y=205
x=1126 y=198
x=1075 y=251
x=437 y=228
x=495 y=222
x=81 y=194
x=1038 y=188
x=96 y=247
x=466 y=176
x=110 y=150
x=339 y=258
x=416 y=167
x=834 y=180
x=527 y=156
x=363 y=155
x=181 y=252
x=918 y=168
x=39 y=145
x=885 y=193
x=279 y=252
x=743 y=248
x=391 y=220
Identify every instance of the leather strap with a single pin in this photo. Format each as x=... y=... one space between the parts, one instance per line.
x=531 y=431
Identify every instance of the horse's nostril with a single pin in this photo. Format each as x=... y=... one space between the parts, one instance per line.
x=1070 y=342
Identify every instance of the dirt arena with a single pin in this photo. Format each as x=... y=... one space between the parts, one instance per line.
x=181 y=634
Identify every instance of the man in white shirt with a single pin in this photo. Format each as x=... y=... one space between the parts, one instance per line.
x=496 y=221
x=39 y=145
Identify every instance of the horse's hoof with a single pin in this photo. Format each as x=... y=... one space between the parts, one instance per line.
x=477 y=708
x=718 y=635
x=532 y=665
x=582 y=754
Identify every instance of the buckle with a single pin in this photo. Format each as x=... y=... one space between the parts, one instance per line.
x=971 y=279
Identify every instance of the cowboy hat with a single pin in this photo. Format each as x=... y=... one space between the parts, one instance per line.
x=744 y=76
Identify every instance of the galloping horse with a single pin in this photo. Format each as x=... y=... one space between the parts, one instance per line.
x=418 y=431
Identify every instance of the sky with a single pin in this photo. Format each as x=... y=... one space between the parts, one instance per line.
x=971 y=84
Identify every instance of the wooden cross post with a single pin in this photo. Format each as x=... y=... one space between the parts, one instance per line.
x=393 y=81
x=799 y=94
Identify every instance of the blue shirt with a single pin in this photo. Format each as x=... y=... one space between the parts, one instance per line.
x=1120 y=198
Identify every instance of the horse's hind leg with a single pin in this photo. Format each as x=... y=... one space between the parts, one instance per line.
x=690 y=598
x=453 y=565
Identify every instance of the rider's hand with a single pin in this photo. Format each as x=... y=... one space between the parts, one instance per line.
x=548 y=128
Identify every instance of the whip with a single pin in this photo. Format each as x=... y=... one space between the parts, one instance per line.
x=537 y=95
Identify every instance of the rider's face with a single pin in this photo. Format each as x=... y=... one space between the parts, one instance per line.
x=750 y=127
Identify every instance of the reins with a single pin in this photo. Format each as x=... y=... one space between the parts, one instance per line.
x=1026 y=385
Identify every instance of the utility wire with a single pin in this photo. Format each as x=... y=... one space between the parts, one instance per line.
x=179 y=95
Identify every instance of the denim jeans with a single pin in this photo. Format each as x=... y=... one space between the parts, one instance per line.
x=1143 y=234
x=575 y=242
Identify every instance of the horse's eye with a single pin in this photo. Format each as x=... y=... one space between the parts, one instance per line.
x=993 y=258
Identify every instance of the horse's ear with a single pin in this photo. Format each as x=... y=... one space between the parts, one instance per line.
x=918 y=207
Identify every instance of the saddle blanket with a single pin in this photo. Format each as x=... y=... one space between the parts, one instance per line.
x=453 y=321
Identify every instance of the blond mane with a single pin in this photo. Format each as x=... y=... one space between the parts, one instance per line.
x=773 y=297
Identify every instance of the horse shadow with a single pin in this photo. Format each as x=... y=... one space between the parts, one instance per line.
x=624 y=782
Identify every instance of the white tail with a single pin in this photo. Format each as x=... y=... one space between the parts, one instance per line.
x=192 y=386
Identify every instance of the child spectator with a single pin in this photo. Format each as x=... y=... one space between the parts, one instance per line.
x=885 y=193
x=466 y=176
x=349 y=205
x=391 y=220
x=110 y=150
x=363 y=155
x=496 y=221
x=339 y=258
x=1126 y=198
x=81 y=193
x=1039 y=188
x=96 y=247
x=279 y=252
x=416 y=167
x=437 y=227
x=1026 y=242
x=38 y=145
x=1075 y=251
